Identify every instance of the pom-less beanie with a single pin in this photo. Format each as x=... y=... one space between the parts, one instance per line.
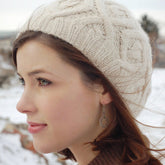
x=107 y=34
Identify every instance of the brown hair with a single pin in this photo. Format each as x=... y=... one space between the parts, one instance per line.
x=122 y=136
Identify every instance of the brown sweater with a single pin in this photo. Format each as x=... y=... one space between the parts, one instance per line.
x=105 y=158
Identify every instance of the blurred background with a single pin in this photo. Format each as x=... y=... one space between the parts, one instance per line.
x=15 y=142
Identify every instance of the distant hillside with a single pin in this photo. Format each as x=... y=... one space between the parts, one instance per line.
x=7 y=34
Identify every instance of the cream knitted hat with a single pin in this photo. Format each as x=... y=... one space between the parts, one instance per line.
x=109 y=36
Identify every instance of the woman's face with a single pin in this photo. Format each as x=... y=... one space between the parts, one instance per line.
x=61 y=110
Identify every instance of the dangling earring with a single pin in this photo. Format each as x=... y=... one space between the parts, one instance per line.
x=103 y=119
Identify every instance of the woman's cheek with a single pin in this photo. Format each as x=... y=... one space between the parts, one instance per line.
x=56 y=108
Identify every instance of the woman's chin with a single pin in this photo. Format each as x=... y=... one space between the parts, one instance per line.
x=45 y=149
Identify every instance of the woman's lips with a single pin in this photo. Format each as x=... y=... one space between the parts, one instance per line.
x=36 y=127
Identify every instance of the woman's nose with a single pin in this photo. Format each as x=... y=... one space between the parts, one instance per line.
x=25 y=104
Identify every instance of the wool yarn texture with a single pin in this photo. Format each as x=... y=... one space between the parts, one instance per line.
x=108 y=35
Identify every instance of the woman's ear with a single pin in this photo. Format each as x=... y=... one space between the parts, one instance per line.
x=105 y=98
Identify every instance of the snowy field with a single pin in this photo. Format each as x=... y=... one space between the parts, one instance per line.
x=11 y=152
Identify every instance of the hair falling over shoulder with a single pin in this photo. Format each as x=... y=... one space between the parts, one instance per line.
x=122 y=136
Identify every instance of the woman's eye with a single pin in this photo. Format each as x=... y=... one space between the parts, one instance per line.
x=43 y=82
x=21 y=80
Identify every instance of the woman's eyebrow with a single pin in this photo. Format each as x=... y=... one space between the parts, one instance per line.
x=37 y=71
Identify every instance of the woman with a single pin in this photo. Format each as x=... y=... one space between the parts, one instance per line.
x=86 y=70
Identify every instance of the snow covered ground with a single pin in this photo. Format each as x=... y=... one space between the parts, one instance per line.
x=12 y=153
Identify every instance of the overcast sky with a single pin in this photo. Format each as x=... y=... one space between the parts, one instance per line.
x=13 y=13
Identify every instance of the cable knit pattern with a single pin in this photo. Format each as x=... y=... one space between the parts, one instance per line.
x=109 y=36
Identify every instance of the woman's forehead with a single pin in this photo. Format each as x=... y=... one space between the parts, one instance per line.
x=34 y=58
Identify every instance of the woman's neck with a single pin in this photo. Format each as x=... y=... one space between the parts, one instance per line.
x=84 y=154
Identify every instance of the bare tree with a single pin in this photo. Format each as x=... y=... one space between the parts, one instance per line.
x=151 y=28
